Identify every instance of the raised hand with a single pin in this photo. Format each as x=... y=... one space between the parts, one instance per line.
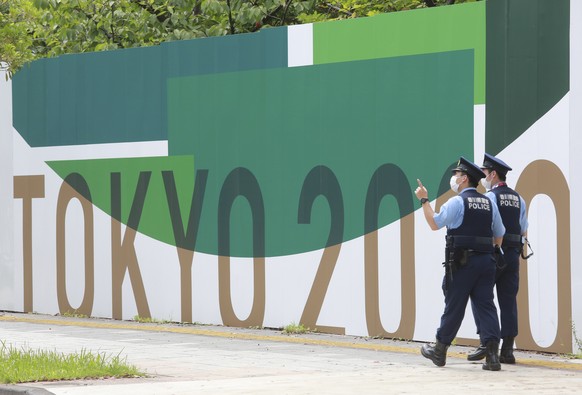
x=421 y=191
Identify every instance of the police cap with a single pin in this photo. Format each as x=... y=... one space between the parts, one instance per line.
x=470 y=168
x=492 y=163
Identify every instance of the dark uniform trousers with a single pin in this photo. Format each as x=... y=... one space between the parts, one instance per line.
x=475 y=279
x=507 y=285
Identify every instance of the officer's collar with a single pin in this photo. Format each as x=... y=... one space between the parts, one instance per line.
x=468 y=189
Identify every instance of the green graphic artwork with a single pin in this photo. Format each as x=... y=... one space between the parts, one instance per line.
x=350 y=117
x=290 y=160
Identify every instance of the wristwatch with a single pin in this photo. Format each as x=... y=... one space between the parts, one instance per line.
x=423 y=201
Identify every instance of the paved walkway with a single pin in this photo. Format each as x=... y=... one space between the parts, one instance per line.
x=189 y=359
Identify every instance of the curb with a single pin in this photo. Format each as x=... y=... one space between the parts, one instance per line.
x=22 y=390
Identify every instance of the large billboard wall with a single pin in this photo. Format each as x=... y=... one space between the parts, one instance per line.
x=266 y=179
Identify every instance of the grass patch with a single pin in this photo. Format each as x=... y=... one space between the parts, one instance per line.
x=26 y=365
x=295 y=328
x=577 y=341
x=74 y=314
x=149 y=320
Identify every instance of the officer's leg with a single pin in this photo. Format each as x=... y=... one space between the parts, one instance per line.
x=482 y=296
x=479 y=352
x=507 y=287
x=475 y=316
x=456 y=297
x=456 y=300
x=444 y=285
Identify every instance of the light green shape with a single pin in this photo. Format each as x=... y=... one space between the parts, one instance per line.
x=423 y=31
x=155 y=220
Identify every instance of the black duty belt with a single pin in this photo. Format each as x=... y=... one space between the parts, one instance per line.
x=475 y=243
x=512 y=240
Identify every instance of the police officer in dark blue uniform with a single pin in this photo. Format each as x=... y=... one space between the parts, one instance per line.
x=513 y=213
x=473 y=227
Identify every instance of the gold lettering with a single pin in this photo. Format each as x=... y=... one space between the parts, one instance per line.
x=405 y=328
x=28 y=188
x=241 y=182
x=257 y=313
x=185 y=240
x=318 y=291
x=321 y=181
x=124 y=259
x=388 y=180
x=66 y=194
x=185 y=258
x=556 y=188
x=123 y=256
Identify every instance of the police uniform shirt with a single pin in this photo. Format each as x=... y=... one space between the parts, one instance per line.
x=452 y=212
x=523 y=223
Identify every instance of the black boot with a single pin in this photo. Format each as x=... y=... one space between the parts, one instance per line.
x=506 y=354
x=437 y=353
x=492 y=356
x=478 y=354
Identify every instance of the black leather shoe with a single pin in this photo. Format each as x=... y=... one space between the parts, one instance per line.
x=506 y=354
x=437 y=353
x=492 y=356
x=478 y=354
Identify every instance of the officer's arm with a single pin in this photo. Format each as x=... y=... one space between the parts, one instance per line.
x=422 y=193
x=497 y=226
x=429 y=215
x=493 y=198
x=523 y=223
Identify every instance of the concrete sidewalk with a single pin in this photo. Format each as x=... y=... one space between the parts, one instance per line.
x=188 y=359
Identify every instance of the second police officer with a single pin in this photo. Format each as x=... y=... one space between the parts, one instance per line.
x=473 y=227
x=513 y=213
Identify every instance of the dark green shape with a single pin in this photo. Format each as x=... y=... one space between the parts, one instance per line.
x=528 y=65
x=185 y=236
x=104 y=97
x=79 y=184
x=350 y=117
x=241 y=183
x=120 y=96
x=322 y=182
x=445 y=184
x=138 y=200
x=388 y=180
x=264 y=49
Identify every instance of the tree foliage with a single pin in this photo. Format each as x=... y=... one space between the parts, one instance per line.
x=31 y=29
x=16 y=34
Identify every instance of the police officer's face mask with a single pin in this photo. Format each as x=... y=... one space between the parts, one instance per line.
x=486 y=182
x=455 y=182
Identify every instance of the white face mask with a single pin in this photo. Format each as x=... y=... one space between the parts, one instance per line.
x=486 y=182
x=454 y=184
